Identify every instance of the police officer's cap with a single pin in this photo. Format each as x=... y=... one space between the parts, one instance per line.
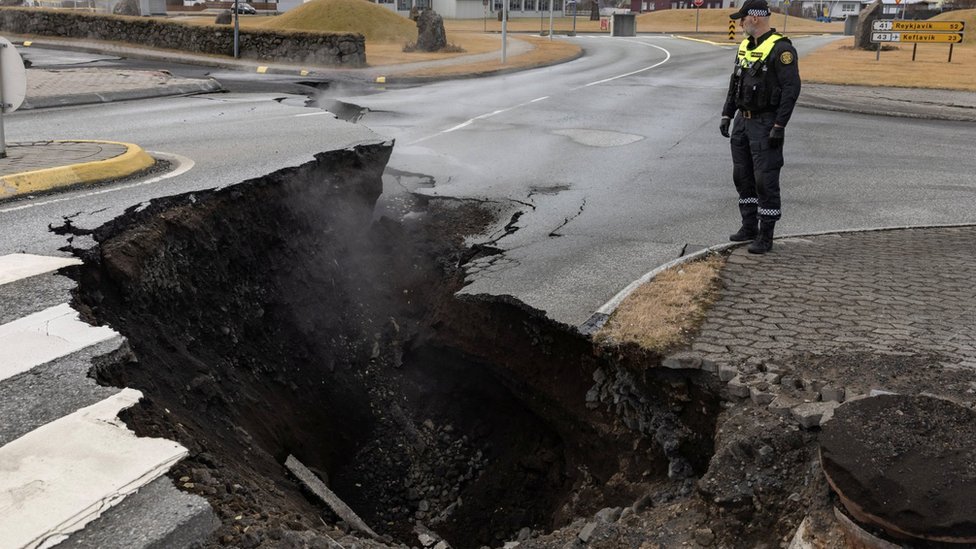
x=752 y=7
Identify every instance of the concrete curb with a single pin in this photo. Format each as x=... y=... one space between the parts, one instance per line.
x=601 y=315
x=133 y=160
x=204 y=86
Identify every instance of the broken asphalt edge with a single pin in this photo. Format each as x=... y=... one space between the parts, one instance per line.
x=203 y=86
x=133 y=160
x=602 y=314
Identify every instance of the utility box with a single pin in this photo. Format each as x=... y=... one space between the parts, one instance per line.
x=850 y=25
x=152 y=7
x=623 y=24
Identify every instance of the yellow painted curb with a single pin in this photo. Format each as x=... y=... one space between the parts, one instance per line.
x=133 y=160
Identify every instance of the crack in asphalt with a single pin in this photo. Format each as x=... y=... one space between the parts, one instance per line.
x=555 y=232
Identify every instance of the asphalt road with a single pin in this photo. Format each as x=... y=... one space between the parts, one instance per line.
x=615 y=160
x=222 y=139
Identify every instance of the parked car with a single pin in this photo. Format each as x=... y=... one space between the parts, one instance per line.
x=245 y=8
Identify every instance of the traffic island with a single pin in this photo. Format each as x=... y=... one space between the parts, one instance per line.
x=42 y=166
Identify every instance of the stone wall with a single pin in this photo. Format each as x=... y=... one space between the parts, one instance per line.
x=293 y=47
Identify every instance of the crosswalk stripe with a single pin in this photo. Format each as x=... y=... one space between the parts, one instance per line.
x=61 y=476
x=44 y=336
x=17 y=266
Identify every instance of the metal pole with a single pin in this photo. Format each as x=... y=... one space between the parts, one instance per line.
x=950 y=55
x=786 y=15
x=237 y=37
x=3 y=107
x=877 y=56
x=504 y=29
x=915 y=49
x=551 y=4
x=576 y=9
x=696 y=19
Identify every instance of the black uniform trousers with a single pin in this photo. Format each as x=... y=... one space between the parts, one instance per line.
x=755 y=167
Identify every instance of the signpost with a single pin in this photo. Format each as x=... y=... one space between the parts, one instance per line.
x=13 y=85
x=786 y=14
x=915 y=32
x=698 y=4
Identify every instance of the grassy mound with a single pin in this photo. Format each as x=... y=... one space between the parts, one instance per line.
x=376 y=23
x=969 y=16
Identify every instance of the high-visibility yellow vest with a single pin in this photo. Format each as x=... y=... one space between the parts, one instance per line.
x=747 y=58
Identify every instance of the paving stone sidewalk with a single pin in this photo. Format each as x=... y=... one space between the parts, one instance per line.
x=899 y=305
x=40 y=155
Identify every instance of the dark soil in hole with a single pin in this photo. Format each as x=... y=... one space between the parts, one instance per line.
x=277 y=318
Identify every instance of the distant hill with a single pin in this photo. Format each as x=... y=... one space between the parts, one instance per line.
x=376 y=23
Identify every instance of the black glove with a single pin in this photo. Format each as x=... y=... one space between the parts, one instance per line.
x=776 y=136
x=723 y=127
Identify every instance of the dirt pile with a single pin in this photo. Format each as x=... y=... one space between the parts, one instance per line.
x=373 y=21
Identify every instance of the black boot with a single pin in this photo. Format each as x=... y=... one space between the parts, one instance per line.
x=764 y=242
x=747 y=232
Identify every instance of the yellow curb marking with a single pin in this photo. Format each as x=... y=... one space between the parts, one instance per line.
x=381 y=80
x=27 y=43
x=262 y=70
x=303 y=72
x=133 y=160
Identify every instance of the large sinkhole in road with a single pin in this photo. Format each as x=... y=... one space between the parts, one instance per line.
x=291 y=316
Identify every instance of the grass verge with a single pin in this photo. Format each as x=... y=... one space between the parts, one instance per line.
x=665 y=312
x=544 y=52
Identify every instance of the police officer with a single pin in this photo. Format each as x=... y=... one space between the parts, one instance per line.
x=762 y=93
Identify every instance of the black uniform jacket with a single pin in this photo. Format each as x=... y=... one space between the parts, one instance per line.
x=783 y=74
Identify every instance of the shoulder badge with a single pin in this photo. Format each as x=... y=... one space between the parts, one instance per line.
x=786 y=57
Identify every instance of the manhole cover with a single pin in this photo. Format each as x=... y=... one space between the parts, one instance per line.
x=905 y=464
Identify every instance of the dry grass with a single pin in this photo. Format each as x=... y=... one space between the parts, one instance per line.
x=391 y=53
x=839 y=63
x=661 y=314
x=545 y=52
x=374 y=22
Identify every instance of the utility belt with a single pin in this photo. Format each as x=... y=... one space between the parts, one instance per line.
x=757 y=114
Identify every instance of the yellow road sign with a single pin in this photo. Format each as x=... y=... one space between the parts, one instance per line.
x=935 y=26
x=952 y=26
x=731 y=30
x=945 y=38
x=917 y=37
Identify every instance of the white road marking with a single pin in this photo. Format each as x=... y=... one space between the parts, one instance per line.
x=184 y=165
x=61 y=476
x=17 y=266
x=612 y=78
x=44 y=336
x=488 y=115
x=320 y=113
